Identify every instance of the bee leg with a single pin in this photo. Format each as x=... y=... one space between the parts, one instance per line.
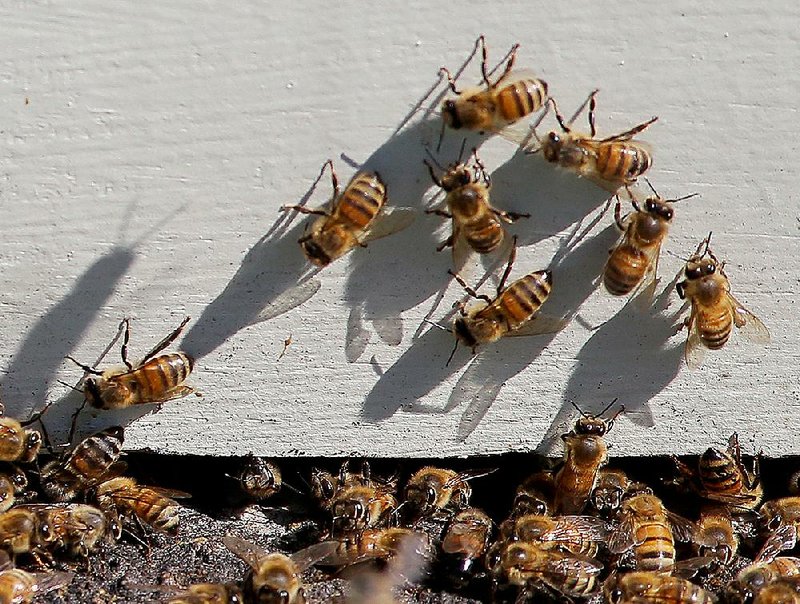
x=439 y=213
x=447 y=243
x=166 y=341
x=451 y=81
x=618 y=218
x=592 y=106
x=629 y=134
x=511 y=259
x=510 y=216
x=468 y=289
x=304 y=210
x=125 y=339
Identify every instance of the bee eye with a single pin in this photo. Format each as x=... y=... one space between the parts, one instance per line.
x=553 y=136
x=615 y=596
x=668 y=214
x=693 y=273
x=649 y=206
x=359 y=509
x=430 y=496
x=711 y=268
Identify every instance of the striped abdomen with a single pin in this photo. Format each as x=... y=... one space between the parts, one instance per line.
x=520 y=300
x=625 y=268
x=520 y=98
x=714 y=325
x=152 y=382
x=655 y=549
x=621 y=161
x=360 y=202
x=719 y=473
x=150 y=507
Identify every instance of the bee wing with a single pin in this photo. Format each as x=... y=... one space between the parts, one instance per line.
x=683 y=529
x=695 y=350
x=171 y=493
x=750 y=325
x=688 y=569
x=540 y=325
x=461 y=249
x=52 y=580
x=286 y=301
x=572 y=564
x=249 y=552
x=313 y=554
x=645 y=291
x=589 y=527
x=781 y=539
x=622 y=539
x=389 y=221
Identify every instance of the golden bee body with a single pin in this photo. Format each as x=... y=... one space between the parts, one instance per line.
x=73 y=527
x=611 y=487
x=86 y=465
x=612 y=162
x=724 y=478
x=653 y=587
x=464 y=543
x=18 y=443
x=358 y=507
x=431 y=490
x=20 y=587
x=716 y=536
x=751 y=580
x=581 y=535
x=209 y=593
x=495 y=105
x=714 y=310
x=535 y=495
x=125 y=497
x=260 y=478
x=377 y=544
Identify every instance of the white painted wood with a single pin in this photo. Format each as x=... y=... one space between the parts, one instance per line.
x=145 y=149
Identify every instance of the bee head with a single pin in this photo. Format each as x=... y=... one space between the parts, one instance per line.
x=314 y=252
x=450 y=114
x=589 y=425
x=455 y=178
x=551 y=146
x=653 y=205
x=699 y=267
x=463 y=333
x=92 y=392
x=33 y=443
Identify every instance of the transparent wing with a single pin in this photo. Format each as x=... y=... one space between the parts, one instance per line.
x=683 y=529
x=313 y=554
x=389 y=221
x=572 y=565
x=52 y=580
x=249 y=552
x=749 y=325
x=461 y=249
x=781 y=539
x=622 y=540
x=540 y=325
x=291 y=298
x=645 y=291
x=171 y=493
x=695 y=350
x=589 y=527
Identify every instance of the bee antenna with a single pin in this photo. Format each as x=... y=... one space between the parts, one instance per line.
x=452 y=354
x=86 y=368
x=461 y=151
x=676 y=255
x=608 y=407
x=434 y=324
x=433 y=159
x=682 y=198
x=708 y=242
x=581 y=411
x=70 y=386
x=441 y=137
x=292 y=488
x=649 y=184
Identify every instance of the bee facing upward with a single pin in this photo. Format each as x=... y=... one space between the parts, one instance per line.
x=349 y=220
x=476 y=223
x=155 y=379
x=506 y=314
x=511 y=97
x=633 y=262
x=714 y=311
x=611 y=162
x=16 y=442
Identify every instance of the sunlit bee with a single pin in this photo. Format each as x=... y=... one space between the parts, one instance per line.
x=377 y=544
x=716 y=536
x=89 y=463
x=612 y=162
x=18 y=528
x=535 y=495
x=781 y=519
x=73 y=527
x=477 y=225
x=260 y=478
x=582 y=535
x=275 y=577
x=349 y=220
x=464 y=543
x=20 y=587
x=155 y=379
x=17 y=443
x=509 y=313
x=325 y=485
x=611 y=487
x=432 y=490
x=633 y=262
x=125 y=497
x=643 y=587
x=495 y=105
x=209 y=593
x=585 y=452
x=714 y=311
x=751 y=580
x=358 y=507
x=647 y=534
x=550 y=568
x=724 y=478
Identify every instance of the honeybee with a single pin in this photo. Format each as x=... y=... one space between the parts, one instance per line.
x=351 y=220
x=123 y=496
x=714 y=310
x=511 y=97
x=89 y=463
x=550 y=568
x=637 y=587
x=611 y=487
x=21 y=587
x=781 y=517
x=585 y=452
x=378 y=544
x=18 y=531
x=477 y=225
x=633 y=262
x=581 y=535
x=465 y=540
x=716 y=537
x=358 y=507
x=612 y=162
x=17 y=443
x=509 y=313
x=647 y=534
x=782 y=591
x=275 y=577
x=73 y=527
x=154 y=379
x=432 y=490
x=260 y=478
x=209 y=593
x=13 y=482
x=751 y=580
x=535 y=495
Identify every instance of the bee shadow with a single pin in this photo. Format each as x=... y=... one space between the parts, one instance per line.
x=627 y=357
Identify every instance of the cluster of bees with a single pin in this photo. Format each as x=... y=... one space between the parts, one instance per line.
x=358 y=214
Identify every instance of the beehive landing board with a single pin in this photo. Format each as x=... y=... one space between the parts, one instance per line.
x=147 y=147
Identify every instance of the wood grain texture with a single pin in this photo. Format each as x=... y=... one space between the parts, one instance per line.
x=145 y=150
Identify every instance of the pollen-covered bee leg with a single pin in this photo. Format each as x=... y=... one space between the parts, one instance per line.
x=468 y=289
x=125 y=339
x=507 y=272
x=445 y=244
x=168 y=340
